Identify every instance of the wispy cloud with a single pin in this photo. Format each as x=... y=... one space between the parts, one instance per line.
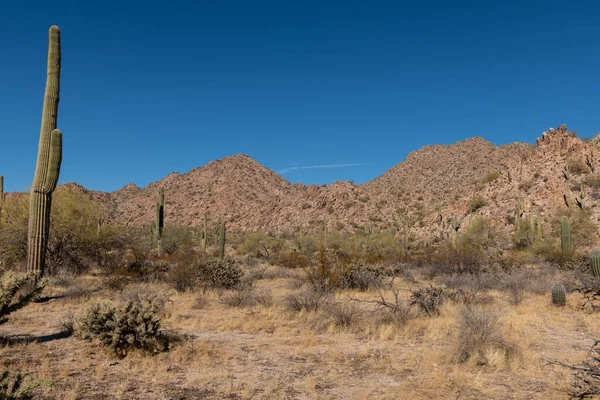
x=286 y=170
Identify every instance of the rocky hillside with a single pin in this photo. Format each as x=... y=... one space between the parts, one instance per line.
x=427 y=190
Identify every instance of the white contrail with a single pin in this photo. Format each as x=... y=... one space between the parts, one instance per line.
x=286 y=170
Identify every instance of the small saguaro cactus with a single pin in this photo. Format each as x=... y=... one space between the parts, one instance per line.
x=565 y=235
x=595 y=258
x=48 y=163
x=156 y=228
x=559 y=295
x=222 y=240
x=204 y=238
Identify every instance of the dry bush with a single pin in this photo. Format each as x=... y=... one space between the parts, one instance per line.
x=200 y=302
x=247 y=297
x=79 y=291
x=361 y=277
x=306 y=301
x=13 y=231
x=183 y=276
x=475 y=204
x=428 y=300
x=586 y=378
x=292 y=259
x=220 y=273
x=514 y=287
x=396 y=311
x=131 y=325
x=490 y=177
x=480 y=332
x=66 y=324
x=476 y=249
x=578 y=167
x=344 y=315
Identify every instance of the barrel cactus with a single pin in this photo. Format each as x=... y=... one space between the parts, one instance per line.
x=559 y=295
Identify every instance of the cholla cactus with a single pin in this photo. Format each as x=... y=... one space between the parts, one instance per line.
x=11 y=286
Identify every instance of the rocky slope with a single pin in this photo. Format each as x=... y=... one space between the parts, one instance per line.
x=427 y=190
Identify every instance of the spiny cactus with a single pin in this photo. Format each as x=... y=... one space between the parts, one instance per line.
x=559 y=295
x=518 y=215
x=204 y=234
x=595 y=257
x=158 y=224
x=565 y=235
x=567 y=170
x=222 y=240
x=48 y=163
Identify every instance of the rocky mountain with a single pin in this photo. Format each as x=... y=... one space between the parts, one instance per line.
x=430 y=188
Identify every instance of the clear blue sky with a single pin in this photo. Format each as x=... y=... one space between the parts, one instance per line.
x=149 y=88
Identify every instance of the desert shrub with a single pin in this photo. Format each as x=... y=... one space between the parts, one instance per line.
x=78 y=291
x=308 y=300
x=131 y=325
x=247 y=297
x=358 y=276
x=18 y=290
x=578 y=167
x=220 y=273
x=292 y=259
x=586 y=377
x=526 y=185
x=183 y=276
x=177 y=239
x=479 y=332
x=592 y=181
x=490 y=177
x=74 y=239
x=200 y=302
x=428 y=300
x=324 y=275
x=14 y=387
x=514 y=287
x=260 y=245
x=344 y=315
x=476 y=249
x=66 y=324
x=475 y=204
x=13 y=231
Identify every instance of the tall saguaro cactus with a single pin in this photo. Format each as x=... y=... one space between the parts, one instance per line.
x=222 y=240
x=48 y=162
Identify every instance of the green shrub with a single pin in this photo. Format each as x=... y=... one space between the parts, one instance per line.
x=475 y=204
x=132 y=325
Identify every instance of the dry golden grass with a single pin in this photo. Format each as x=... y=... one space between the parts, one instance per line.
x=272 y=353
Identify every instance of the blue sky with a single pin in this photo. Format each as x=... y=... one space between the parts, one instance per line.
x=149 y=88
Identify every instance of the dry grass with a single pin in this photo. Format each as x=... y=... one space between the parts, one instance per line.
x=342 y=350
